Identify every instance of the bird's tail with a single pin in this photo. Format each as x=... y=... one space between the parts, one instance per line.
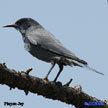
x=93 y=70
x=86 y=66
x=81 y=63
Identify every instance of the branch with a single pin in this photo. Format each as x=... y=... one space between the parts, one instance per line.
x=56 y=91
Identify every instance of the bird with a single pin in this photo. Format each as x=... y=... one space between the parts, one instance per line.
x=46 y=47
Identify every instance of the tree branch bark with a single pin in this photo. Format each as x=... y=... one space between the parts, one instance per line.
x=48 y=89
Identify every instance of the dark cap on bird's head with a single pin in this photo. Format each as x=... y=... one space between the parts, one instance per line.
x=23 y=23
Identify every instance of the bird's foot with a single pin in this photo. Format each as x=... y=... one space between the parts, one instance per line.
x=58 y=83
x=55 y=79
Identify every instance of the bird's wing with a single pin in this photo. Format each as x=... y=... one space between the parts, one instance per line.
x=46 y=40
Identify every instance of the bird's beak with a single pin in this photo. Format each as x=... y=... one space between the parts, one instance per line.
x=11 y=25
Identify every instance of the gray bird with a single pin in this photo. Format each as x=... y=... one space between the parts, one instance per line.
x=43 y=45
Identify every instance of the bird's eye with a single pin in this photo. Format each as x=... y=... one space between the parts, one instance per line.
x=28 y=26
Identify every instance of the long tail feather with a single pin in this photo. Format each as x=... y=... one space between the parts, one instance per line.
x=87 y=67
x=94 y=70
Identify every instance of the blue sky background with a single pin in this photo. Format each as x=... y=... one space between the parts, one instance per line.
x=81 y=25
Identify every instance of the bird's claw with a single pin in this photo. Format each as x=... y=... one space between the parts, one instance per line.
x=58 y=83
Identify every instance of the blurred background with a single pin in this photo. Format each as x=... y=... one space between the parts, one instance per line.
x=81 y=25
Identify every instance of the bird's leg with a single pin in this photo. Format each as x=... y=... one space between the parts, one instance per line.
x=53 y=64
x=60 y=70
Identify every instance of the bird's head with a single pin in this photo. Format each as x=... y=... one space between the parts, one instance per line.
x=23 y=24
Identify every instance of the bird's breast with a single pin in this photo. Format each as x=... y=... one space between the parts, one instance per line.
x=27 y=45
x=37 y=51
